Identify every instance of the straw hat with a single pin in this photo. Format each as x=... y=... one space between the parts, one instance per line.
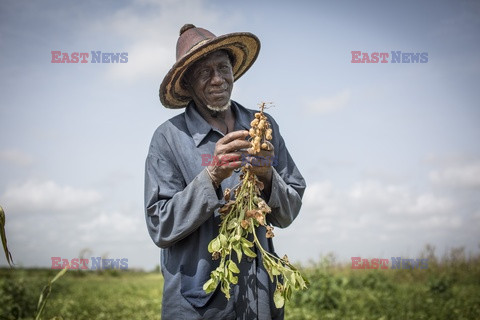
x=195 y=43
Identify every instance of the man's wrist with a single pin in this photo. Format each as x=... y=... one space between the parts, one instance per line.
x=214 y=183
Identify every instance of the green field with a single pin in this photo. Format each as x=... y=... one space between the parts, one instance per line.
x=448 y=289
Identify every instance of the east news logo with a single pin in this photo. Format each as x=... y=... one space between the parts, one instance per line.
x=95 y=57
x=395 y=57
x=397 y=263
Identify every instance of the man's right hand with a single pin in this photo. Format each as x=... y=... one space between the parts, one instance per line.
x=227 y=156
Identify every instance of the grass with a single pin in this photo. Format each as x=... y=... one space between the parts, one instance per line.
x=82 y=295
x=448 y=289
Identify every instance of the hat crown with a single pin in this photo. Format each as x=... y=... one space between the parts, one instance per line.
x=190 y=37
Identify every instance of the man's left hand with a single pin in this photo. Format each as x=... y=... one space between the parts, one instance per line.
x=262 y=165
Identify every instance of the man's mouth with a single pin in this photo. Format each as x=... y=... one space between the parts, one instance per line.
x=217 y=92
x=220 y=90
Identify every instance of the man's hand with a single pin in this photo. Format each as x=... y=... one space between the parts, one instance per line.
x=262 y=165
x=227 y=156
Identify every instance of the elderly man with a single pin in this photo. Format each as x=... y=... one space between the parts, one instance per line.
x=183 y=195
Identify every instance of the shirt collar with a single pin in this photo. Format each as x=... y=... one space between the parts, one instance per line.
x=199 y=128
x=243 y=117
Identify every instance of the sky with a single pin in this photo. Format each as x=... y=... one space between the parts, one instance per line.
x=389 y=151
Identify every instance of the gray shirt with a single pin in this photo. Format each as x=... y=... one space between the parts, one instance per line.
x=182 y=218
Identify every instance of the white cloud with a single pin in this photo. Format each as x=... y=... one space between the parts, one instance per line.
x=145 y=59
x=113 y=227
x=330 y=104
x=430 y=204
x=41 y=196
x=356 y=218
x=374 y=194
x=16 y=157
x=397 y=199
x=114 y=221
x=467 y=175
x=321 y=199
x=441 y=221
x=150 y=31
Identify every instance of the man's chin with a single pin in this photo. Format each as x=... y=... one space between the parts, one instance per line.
x=220 y=108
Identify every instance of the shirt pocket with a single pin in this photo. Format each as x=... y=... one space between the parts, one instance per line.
x=192 y=287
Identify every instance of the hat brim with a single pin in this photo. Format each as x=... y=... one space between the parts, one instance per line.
x=244 y=46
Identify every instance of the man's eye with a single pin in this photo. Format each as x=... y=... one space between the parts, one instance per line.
x=203 y=73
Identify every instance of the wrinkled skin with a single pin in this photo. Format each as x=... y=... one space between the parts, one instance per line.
x=210 y=80
x=210 y=83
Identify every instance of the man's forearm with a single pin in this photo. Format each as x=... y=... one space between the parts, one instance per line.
x=285 y=200
x=171 y=218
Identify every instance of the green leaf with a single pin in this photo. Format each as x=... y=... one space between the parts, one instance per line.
x=3 y=235
x=268 y=267
x=278 y=299
x=232 y=224
x=232 y=279
x=223 y=240
x=210 y=246
x=249 y=252
x=275 y=270
x=42 y=300
x=207 y=285
x=226 y=289
x=300 y=280
x=61 y=273
x=291 y=276
x=232 y=266
x=210 y=286
x=246 y=243
x=215 y=245
x=288 y=292
x=238 y=250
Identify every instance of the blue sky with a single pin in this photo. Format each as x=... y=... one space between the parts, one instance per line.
x=390 y=152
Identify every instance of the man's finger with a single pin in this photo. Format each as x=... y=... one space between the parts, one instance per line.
x=234 y=146
x=240 y=134
x=225 y=159
x=235 y=164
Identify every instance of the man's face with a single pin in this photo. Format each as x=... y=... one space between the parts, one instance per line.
x=211 y=81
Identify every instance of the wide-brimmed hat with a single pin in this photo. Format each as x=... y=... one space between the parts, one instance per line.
x=195 y=43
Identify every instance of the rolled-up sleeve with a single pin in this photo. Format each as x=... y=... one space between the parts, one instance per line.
x=288 y=186
x=174 y=209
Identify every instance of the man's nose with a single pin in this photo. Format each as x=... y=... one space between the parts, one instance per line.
x=217 y=78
